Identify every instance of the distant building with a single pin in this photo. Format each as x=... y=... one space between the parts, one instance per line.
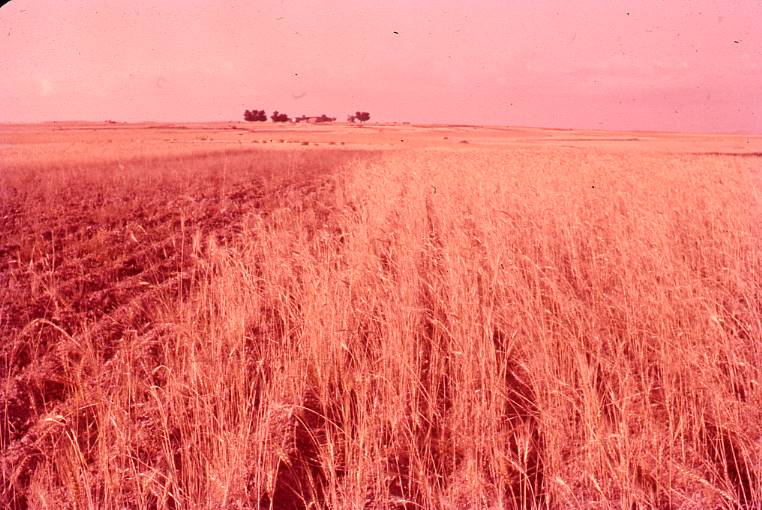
x=315 y=120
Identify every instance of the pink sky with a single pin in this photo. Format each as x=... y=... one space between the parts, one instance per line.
x=670 y=65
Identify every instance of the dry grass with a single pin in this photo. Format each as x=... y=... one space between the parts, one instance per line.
x=470 y=328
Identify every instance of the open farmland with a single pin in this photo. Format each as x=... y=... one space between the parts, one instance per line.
x=217 y=316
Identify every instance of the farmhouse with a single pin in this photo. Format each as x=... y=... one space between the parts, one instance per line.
x=315 y=120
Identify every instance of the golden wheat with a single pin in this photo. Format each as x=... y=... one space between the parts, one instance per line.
x=471 y=328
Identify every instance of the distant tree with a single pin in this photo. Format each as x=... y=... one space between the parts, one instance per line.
x=254 y=116
x=362 y=116
x=351 y=118
x=279 y=117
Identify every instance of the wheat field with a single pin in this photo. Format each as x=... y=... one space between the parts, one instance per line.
x=503 y=323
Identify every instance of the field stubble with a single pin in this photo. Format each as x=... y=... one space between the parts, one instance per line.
x=472 y=328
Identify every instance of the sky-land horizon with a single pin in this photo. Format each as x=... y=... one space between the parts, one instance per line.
x=672 y=66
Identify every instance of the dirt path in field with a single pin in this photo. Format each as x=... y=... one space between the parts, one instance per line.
x=90 y=252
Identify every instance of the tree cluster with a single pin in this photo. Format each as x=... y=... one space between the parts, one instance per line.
x=279 y=117
x=254 y=116
x=261 y=116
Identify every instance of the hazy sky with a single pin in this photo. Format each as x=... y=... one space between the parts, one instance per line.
x=663 y=65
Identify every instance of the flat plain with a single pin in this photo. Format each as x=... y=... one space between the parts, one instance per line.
x=232 y=316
